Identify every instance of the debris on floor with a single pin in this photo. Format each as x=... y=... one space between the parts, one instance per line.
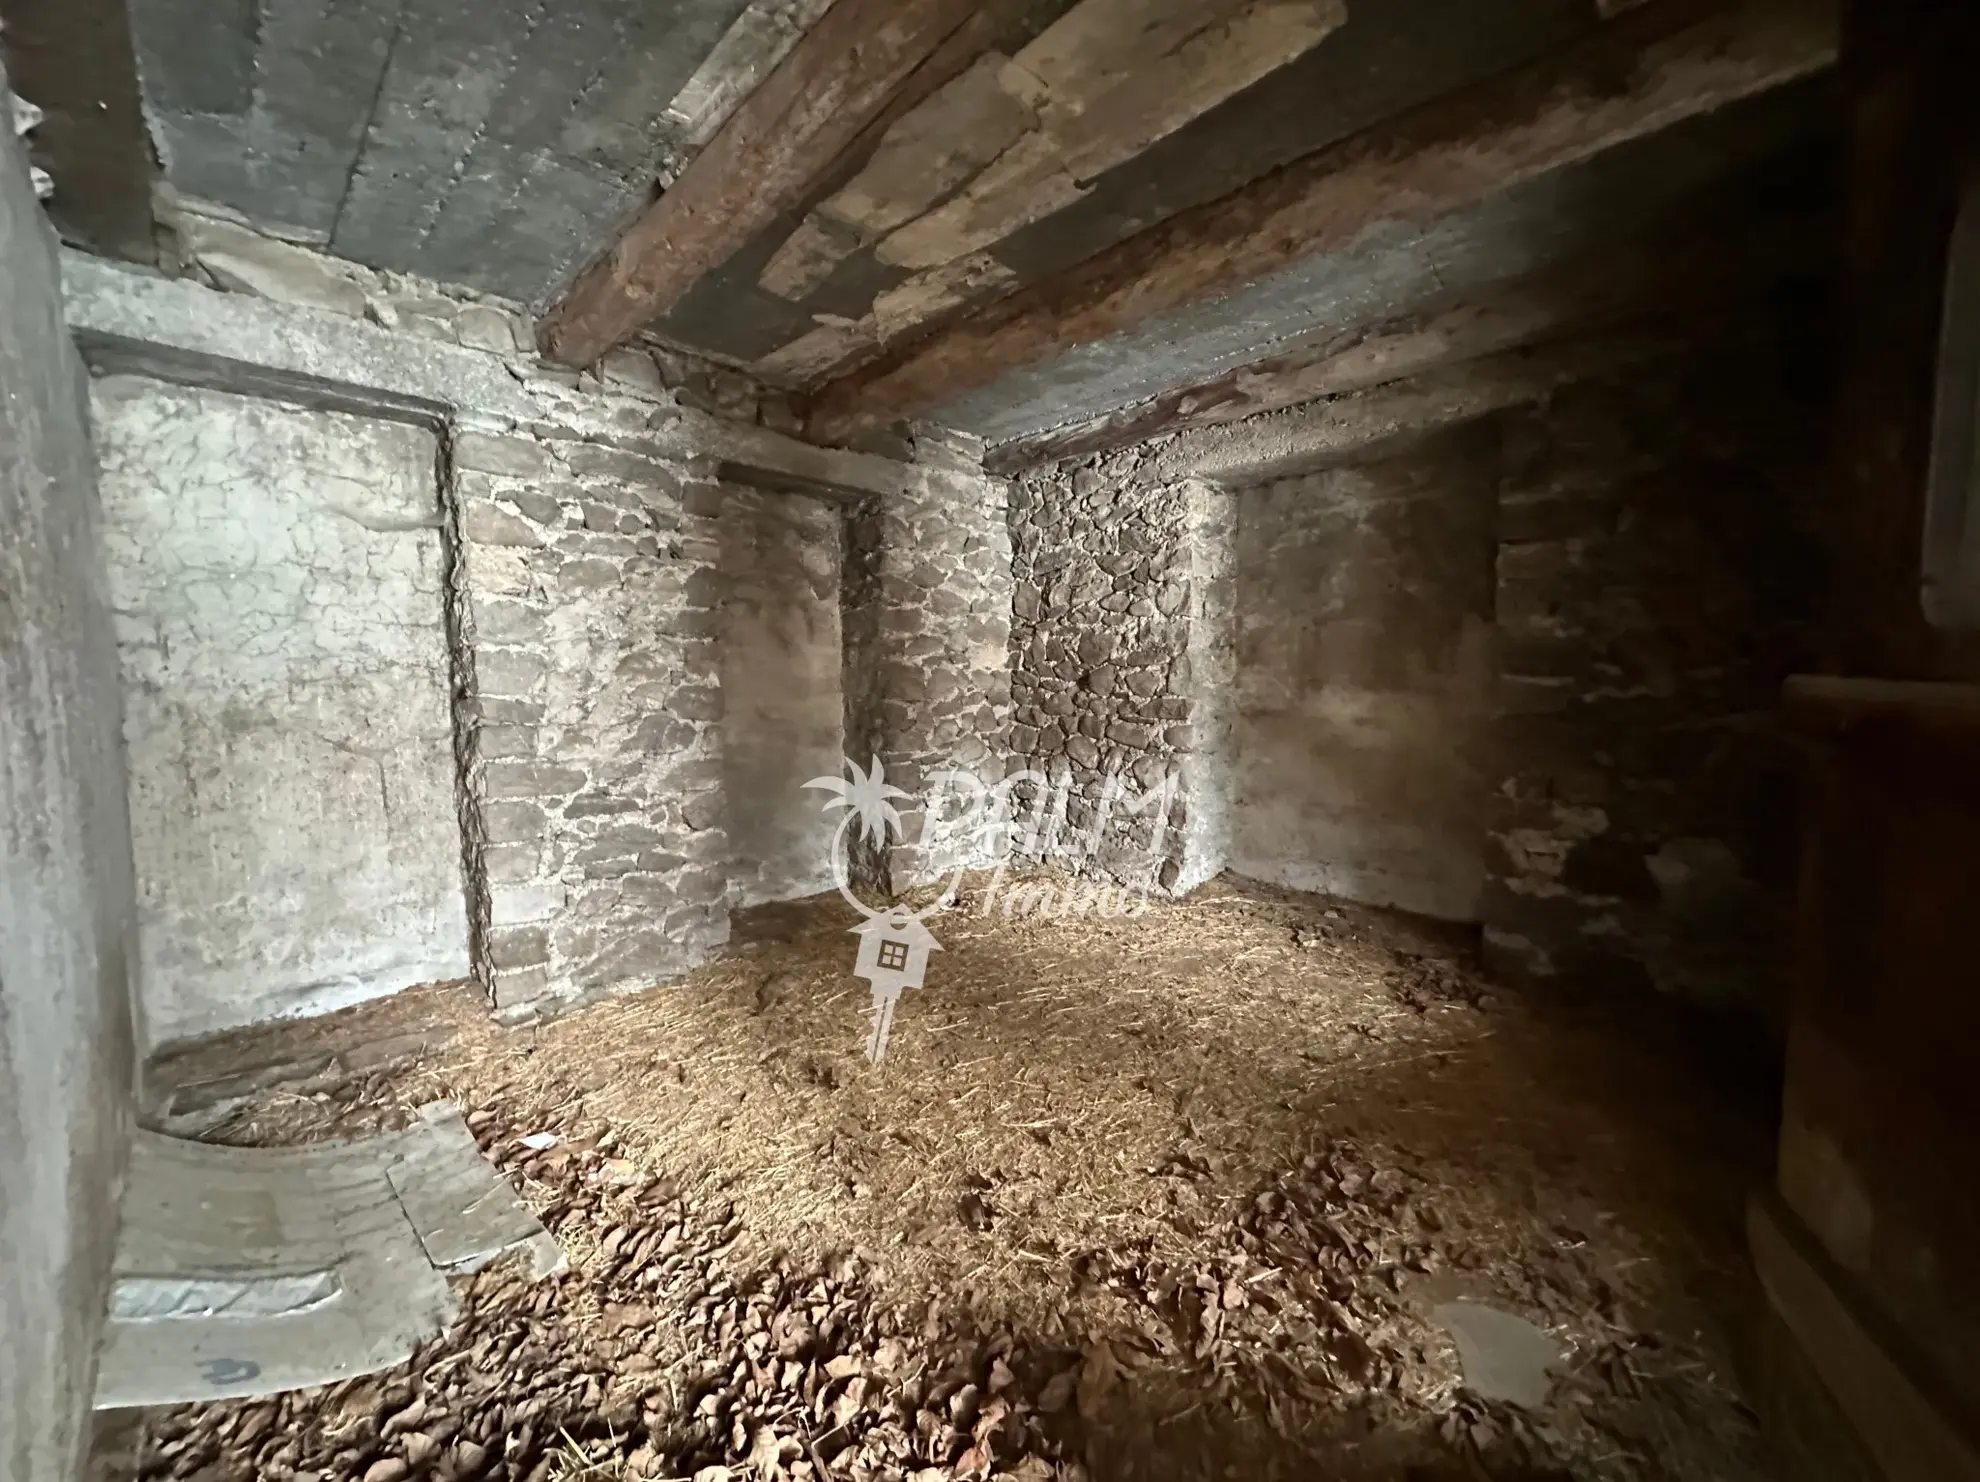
x=1173 y=1197
x=246 y=1271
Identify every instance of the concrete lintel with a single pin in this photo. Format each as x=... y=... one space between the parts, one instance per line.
x=180 y=330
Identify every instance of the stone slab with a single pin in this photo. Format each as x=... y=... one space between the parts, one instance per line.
x=1505 y=1358
x=248 y=1271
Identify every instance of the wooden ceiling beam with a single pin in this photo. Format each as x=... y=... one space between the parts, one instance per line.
x=841 y=78
x=1718 y=263
x=1653 y=68
x=73 y=60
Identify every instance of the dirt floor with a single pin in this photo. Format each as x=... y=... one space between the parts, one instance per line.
x=1166 y=1197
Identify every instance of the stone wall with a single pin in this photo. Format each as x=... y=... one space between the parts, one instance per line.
x=1517 y=667
x=213 y=246
x=277 y=578
x=66 y=896
x=1206 y=818
x=592 y=577
x=1118 y=602
x=581 y=577
x=783 y=701
x=1365 y=676
x=927 y=601
x=1655 y=585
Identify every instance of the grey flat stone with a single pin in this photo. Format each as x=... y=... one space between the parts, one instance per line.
x=247 y=1271
x=465 y=1217
x=1505 y=1358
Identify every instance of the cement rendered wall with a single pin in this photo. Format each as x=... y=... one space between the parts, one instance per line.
x=784 y=705
x=277 y=578
x=1365 y=677
x=66 y=900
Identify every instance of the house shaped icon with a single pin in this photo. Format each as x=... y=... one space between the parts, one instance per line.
x=893 y=950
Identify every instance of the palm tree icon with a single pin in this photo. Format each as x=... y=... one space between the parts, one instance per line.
x=867 y=797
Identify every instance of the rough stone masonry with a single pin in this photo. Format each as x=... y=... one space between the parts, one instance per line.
x=592 y=580
x=927 y=625
x=1121 y=656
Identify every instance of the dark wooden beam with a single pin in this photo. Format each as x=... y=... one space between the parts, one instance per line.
x=73 y=60
x=1344 y=429
x=766 y=159
x=1651 y=69
x=1678 y=270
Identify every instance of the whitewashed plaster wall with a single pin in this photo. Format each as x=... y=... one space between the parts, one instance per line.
x=277 y=578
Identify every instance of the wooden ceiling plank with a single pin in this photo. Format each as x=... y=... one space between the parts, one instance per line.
x=1110 y=79
x=924 y=155
x=765 y=159
x=1654 y=68
x=836 y=341
x=760 y=38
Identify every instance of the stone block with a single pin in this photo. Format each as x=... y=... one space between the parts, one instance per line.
x=244 y=261
x=664 y=734
x=511 y=456
x=589 y=574
x=591 y=461
x=496 y=571
x=503 y=712
x=536 y=505
x=513 y=823
x=602 y=805
x=516 y=988
x=512 y=905
x=508 y=672
x=633 y=958
x=608 y=520
x=633 y=370
x=493 y=525
x=484 y=327
x=530 y=779
x=511 y=864
x=696 y=703
x=506 y=741
x=704 y=811
x=702 y=886
x=512 y=947
x=499 y=621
